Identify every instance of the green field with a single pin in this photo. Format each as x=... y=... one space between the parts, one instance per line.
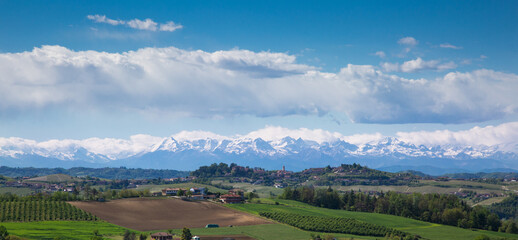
x=158 y=188
x=430 y=186
x=16 y=191
x=84 y=229
x=77 y=230
x=423 y=229
x=73 y=230
x=266 y=232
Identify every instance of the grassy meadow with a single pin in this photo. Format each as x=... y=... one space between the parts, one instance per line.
x=74 y=230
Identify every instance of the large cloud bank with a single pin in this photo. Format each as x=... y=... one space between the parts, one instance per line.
x=236 y=82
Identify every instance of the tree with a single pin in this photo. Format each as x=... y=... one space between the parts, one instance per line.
x=186 y=234
x=180 y=192
x=142 y=236
x=3 y=233
x=129 y=235
x=511 y=228
x=482 y=237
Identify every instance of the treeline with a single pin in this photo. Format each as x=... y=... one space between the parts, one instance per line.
x=107 y=173
x=508 y=208
x=437 y=208
x=334 y=225
x=27 y=210
x=88 y=194
x=222 y=169
x=56 y=196
x=92 y=193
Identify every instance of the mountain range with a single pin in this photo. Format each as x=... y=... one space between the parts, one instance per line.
x=387 y=153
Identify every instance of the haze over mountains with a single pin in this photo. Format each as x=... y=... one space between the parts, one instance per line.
x=271 y=148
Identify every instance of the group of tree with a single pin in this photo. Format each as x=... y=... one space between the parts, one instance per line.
x=334 y=225
x=437 y=208
x=507 y=208
x=129 y=235
x=4 y=234
x=221 y=170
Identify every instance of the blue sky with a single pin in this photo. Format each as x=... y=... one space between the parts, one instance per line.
x=418 y=42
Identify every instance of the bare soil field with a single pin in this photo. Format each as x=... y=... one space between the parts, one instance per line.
x=160 y=214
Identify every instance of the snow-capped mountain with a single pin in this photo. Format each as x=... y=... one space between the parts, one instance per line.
x=184 y=153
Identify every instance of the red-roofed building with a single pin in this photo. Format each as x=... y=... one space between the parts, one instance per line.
x=231 y=198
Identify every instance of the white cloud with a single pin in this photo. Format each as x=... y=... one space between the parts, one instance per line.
x=236 y=82
x=170 y=26
x=198 y=135
x=360 y=139
x=447 y=45
x=64 y=149
x=275 y=133
x=380 y=54
x=416 y=65
x=505 y=136
x=103 y=19
x=408 y=41
x=146 y=24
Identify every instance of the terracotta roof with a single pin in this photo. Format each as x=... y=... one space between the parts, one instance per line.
x=230 y=195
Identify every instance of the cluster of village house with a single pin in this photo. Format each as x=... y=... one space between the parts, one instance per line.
x=47 y=187
x=233 y=196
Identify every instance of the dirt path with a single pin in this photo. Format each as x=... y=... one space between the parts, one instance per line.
x=161 y=214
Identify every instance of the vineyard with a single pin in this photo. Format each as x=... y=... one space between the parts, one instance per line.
x=333 y=225
x=41 y=210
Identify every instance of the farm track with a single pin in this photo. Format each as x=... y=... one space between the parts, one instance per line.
x=161 y=214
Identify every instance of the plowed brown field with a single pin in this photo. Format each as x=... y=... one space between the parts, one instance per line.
x=160 y=214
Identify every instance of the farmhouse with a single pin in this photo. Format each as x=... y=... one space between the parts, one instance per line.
x=161 y=236
x=171 y=191
x=197 y=197
x=231 y=198
x=196 y=191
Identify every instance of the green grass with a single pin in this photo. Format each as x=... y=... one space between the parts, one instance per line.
x=158 y=188
x=65 y=229
x=264 y=232
x=262 y=191
x=424 y=229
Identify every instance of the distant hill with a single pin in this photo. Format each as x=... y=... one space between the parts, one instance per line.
x=452 y=172
x=508 y=175
x=108 y=173
x=54 y=178
x=417 y=173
